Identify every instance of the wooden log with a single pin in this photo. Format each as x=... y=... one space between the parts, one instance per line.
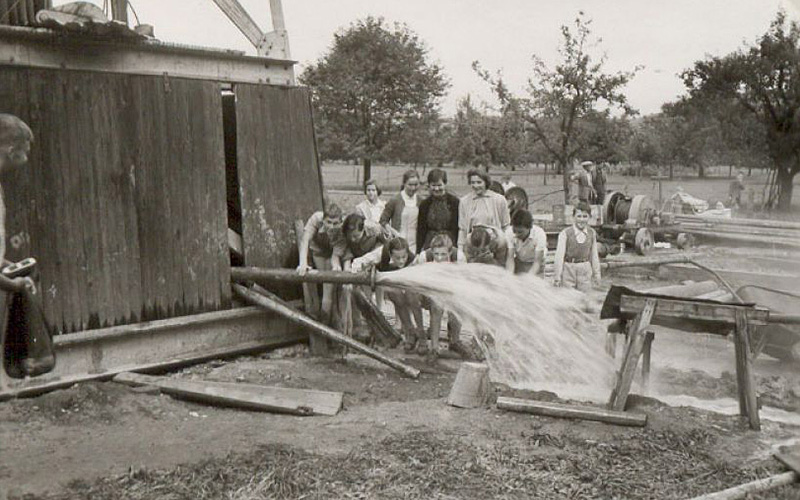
x=772 y=233
x=743 y=490
x=747 y=238
x=572 y=411
x=275 y=304
x=724 y=221
x=376 y=319
x=744 y=370
x=687 y=308
x=649 y=261
x=471 y=387
x=635 y=345
x=261 y=275
x=246 y=396
x=790 y=457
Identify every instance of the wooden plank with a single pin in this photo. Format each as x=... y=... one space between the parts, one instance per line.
x=301 y=402
x=790 y=457
x=635 y=344
x=278 y=174
x=376 y=319
x=747 y=489
x=687 y=309
x=744 y=371
x=38 y=49
x=571 y=411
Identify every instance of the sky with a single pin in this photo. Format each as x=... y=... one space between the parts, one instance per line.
x=663 y=37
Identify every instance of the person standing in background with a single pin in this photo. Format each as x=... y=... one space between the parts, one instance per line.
x=401 y=214
x=438 y=213
x=599 y=180
x=372 y=207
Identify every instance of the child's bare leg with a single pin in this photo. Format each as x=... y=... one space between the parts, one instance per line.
x=414 y=304
x=404 y=315
x=326 y=307
x=435 y=326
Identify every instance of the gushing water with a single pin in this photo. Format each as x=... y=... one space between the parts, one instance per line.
x=541 y=338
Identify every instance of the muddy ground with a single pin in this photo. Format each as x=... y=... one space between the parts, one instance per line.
x=397 y=438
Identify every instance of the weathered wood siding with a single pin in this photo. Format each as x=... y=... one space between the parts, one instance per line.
x=123 y=200
x=279 y=178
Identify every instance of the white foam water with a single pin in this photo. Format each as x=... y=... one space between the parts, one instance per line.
x=541 y=337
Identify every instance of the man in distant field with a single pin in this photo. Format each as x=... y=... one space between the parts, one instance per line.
x=15 y=145
x=584 y=178
x=736 y=189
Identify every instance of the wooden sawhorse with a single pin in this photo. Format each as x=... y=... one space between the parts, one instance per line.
x=645 y=309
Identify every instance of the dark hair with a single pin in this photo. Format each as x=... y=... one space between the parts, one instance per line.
x=480 y=237
x=408 y=174
x=441 y=240
x=332 y=210
x=353 y=222
x=583 y=206
x=436 y=175
x=497 y=188
x=372 y=182
x=13 y=131
x=522 y=218
x=398 y=243
x=480 y=173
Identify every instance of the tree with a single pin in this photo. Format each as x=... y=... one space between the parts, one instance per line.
x=764 y=79
x=560 y=102
x=374 y=83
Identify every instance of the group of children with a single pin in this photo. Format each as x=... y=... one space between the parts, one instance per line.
x=486 y=233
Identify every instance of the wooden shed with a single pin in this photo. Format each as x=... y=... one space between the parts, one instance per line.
x=140 y=149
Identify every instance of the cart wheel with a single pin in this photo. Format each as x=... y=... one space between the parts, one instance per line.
x=643 y=241
x=684 y=241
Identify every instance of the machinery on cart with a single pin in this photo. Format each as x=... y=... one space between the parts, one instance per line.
x=636 y=221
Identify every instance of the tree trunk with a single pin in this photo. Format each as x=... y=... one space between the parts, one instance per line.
x=701 y=171
x=671 y=171
x=785 y=185
x=367 y=169
x=545 y=174
x=565 y=180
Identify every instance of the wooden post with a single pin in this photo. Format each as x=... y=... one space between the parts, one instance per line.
x=119 y=10
x=571 y=411
x=634 y=349
x=648 y=345
x=276 y=10
x=748 y=401
x=318 y=346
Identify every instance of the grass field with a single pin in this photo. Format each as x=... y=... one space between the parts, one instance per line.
x=545 y=191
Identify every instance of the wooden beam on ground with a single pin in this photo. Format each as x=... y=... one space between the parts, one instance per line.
x=634 y=349
x=246 y=396
x=725 y=221
x=744 y=490
x=274 y=303
x=572 y=411
x=748 y=401
x=694 y=310
x=156 y=345
x=242 y=20
x=790 y=457
x=38 y=48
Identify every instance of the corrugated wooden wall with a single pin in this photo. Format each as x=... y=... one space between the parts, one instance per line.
x=279 y=179
x=123 y=201
x=21 y=12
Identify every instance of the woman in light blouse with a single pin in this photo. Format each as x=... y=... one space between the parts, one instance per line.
x=399 y=218
x=372 y=207
x=481 y=207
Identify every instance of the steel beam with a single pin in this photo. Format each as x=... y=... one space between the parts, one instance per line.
x=157 y=345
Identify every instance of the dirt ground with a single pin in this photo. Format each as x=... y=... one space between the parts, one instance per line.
x=397 y=437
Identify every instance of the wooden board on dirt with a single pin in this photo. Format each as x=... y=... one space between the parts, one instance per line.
x=247 y=396
x=790 y=457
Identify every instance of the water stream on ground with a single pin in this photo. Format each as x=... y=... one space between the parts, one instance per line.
x=539 y=337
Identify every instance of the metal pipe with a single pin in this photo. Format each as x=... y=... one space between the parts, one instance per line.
x=273 y=303
x=652 y=261
x=261 y=274
x=784 y=319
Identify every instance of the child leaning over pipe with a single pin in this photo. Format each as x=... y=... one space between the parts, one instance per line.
x=442 y=250
x=360 y=236
x=489 y=245
x=393 y=256
x=530 y=244
x=322 y=233
x=577 y=264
